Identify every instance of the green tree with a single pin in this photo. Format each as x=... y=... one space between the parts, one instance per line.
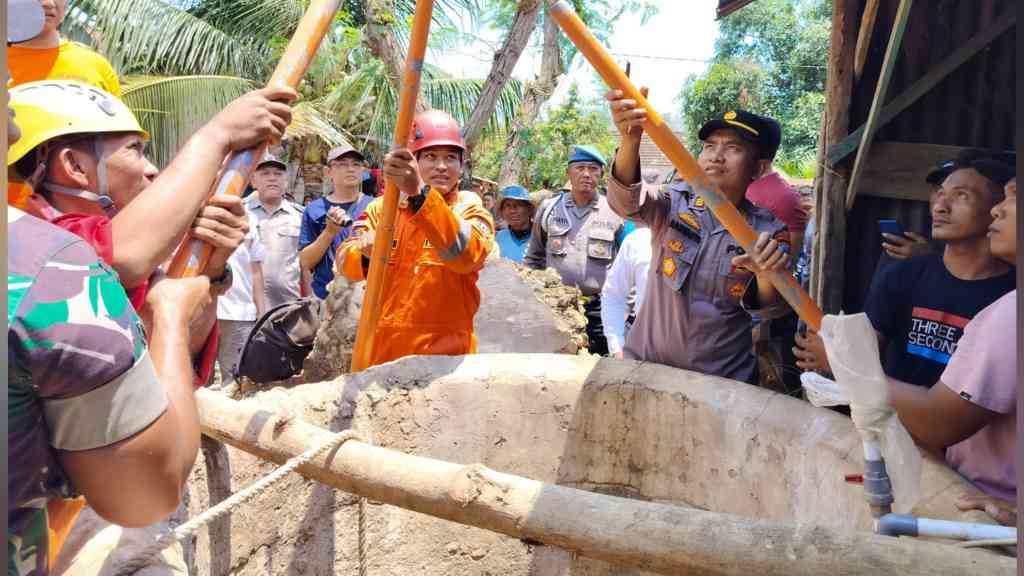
x=184 y=60
x=546 y=150
x=770 y=58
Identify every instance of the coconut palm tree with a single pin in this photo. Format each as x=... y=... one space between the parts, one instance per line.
x=184 y=60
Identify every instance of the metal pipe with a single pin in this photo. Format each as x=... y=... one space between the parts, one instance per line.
x=661 y=134
x=192 y=256
x=376 y=277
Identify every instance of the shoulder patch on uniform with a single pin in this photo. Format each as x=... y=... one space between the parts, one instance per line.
x=690 y=220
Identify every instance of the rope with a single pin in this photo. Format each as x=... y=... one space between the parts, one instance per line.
x=237 y=499
x=362 y=536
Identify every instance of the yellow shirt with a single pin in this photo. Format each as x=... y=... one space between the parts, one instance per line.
x=68 y=61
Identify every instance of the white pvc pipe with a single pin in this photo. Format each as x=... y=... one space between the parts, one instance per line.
x=963 y=530
x=872 y=448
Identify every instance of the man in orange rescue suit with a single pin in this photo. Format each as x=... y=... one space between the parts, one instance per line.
x=442 y=238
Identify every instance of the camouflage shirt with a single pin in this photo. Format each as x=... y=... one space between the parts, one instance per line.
x=78 y=374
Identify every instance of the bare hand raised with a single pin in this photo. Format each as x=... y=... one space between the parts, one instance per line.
x=223 y=224
x=259 y=116
x=401 y=168
x=769 y=255
x=903 y=247
x=627 y=114
x=178 y=300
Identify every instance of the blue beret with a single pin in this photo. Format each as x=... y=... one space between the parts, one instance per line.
x=583 y=153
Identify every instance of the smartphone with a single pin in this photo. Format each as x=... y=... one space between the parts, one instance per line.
x=890 y=227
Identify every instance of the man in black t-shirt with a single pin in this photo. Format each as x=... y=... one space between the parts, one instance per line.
x=919 y=307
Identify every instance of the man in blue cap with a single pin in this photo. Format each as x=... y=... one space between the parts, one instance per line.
x=517 y=210
x=578 y=234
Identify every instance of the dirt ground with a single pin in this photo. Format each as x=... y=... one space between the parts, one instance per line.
x=509 y=320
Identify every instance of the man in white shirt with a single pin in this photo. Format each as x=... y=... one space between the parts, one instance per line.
x=240 y=307
x=624 y=288
x=279 y=224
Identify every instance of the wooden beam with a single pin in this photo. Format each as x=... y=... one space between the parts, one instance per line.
x=898 y=169
x=828 y=264
x=899 y=27
x=649 y=536
x=867 y=27
x=977 y=43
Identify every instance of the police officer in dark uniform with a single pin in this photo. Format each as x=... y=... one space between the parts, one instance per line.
x=578 y=234
x=703 y=287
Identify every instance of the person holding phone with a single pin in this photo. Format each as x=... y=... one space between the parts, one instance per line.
x=919 y=307
x=901 y=244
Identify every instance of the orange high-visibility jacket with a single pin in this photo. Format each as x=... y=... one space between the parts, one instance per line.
x=430 y=294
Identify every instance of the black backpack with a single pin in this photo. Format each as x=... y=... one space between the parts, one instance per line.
x=280 y=342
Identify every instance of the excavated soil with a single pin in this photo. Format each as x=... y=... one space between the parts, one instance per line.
x=521 y=311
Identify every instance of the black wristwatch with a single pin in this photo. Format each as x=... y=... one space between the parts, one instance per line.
x=220 y=286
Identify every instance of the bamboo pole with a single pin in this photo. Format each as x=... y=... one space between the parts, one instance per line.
x=385 y=233
x=192 y=256
x=684 y=162
x=663 y=538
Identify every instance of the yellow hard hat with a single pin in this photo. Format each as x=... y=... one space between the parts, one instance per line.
x=50 y=109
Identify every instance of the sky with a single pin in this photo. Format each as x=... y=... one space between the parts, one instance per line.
x=672 y=45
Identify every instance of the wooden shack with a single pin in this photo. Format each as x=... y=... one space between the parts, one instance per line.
x=924 y=79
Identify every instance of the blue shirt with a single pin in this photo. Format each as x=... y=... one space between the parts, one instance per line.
x=314 y=221
x=511 y=247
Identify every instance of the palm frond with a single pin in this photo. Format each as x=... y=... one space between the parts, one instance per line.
x=309 y=121
x=158 y=37
x=364 y=102
x=171 y=109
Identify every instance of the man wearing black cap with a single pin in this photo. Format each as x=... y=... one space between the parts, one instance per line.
x=279 y=221
x=920 y=306
x=578 y=234
x=327 y=221
x=696 y=312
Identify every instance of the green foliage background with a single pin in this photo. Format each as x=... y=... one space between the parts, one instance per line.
x=576 y=121
x=770 y=58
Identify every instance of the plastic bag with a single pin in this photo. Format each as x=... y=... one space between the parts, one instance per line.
x=823 y=392
x=852 y=347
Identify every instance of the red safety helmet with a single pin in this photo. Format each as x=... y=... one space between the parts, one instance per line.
x=435 y=128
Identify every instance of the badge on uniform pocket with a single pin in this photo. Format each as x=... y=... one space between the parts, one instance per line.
x=668 y=267
x=690 y=220
x=676 y=246
x=737 y=290
x=556 y=244
x=698 y=203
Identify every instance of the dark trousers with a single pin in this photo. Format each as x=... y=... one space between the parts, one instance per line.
x=595 y=329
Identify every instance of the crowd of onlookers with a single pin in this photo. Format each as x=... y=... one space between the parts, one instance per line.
x=105 y=348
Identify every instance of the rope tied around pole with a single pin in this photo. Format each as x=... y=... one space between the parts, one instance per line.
x=188 y=529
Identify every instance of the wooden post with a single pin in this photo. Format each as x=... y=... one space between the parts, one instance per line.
x=192 y=255
x=374 y=298
x=218 y=488
x=867 y=28
x=655 y=537
x=830 y=231
x=881 y=90
x=1008 y=20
